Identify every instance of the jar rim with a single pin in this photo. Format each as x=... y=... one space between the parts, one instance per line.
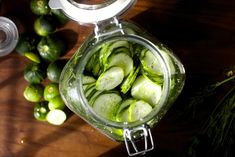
x=91 y=14
x=166 y=83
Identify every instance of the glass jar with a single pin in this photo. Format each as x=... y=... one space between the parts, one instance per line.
x=121 y=80
x=8 y=36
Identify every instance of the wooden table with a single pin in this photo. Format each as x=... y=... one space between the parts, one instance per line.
x=201 y=33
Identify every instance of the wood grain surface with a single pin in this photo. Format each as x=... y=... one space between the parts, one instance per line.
x=200 y=32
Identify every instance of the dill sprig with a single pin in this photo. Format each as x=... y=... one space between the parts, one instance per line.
x=216 y=137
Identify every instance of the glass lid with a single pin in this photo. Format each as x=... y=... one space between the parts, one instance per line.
x=91 y=11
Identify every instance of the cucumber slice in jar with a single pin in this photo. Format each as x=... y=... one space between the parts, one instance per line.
x=123 y=116
x=110 y=79
x=125 y=104
x=121 y=60
x=144 y=89
x=132 y=110
x=108 y=49
x=87 y=79
x=129 y=80
x=138 y=110
x=92 y=97
x=150 y=63
x=126 y=50
x=87 y=87
x=123 y=112
x=106 y=105
x=93 y=65
x=90 y=92
x=159 y=79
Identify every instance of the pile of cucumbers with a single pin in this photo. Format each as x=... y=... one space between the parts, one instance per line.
x=44 y=49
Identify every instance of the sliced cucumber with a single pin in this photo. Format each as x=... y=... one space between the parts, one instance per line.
x=56 y=117
x=108 y=49
x=150 y=63
x=123 y=113
x=87 y=79
x=92 y=97
x=56 y=103
x=106 y=105
x=153 y=76
x=93 y=64
x=125 y=104
x=123 y=116
x=144 y=89
x=90 y=91
x=96 y=69
x=119 y=43
x=110 y=79
x=129 y=80
x=123 y=50
x=86 y=87
x=122 y=60
x=168 y=58
x=138 y=110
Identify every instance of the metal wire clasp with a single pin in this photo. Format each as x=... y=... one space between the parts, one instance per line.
x=103 y=28
x=131 y=142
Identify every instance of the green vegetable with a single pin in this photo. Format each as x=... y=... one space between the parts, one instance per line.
x=32 y=56
x=33 y=92
x=90 y=91
x=56 y=117
x=92 y=98
x=121 y=60
x=54 y=70
x=34 y=73
x=60 y=16
x=110 y=79
x=94 y=65
x=51 y=48
x=132 y=110
x=41 y=110
x=144 y=89
x=50 y=91
x=87 y=79
x=139 y=109
x=106 y=105
x=40 y=7
x=27 y=43
x=123 y=110
x=44 y=25
x=150 y=63
x=56 y=103
x=107 y=49
x=129 y=80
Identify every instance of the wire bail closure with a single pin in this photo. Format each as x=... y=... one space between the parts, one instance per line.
x=131 y=144
x=100 y=28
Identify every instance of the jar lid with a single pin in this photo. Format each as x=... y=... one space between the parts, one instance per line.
x=91 y=11
x=8 y=36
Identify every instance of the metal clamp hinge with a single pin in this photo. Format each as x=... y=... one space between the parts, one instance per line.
x=130 y=141
x=101 y=31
